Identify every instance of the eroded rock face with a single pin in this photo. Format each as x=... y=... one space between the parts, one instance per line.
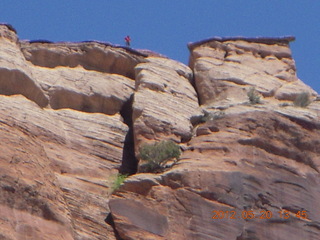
x=32 y=204
x=67 y=178
x=225 y=69
x=63 y=139
x=75 y=114
x=87 y=91
x=243 y=158
x=242 y=162
x=164 y=101
x=95 y=56
x=16 y=77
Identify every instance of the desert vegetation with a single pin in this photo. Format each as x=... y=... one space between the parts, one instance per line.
x=302 y=100
x=118 y=181
x=253 y=96
x=211 y=116
x=157 y=155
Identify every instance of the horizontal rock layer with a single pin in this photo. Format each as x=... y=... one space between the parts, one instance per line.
x=236 y=163
x=63 y=137
x=164 y=102
x=241 y=158
x=225 y=69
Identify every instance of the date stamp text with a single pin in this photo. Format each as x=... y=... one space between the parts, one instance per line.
x=263 y=214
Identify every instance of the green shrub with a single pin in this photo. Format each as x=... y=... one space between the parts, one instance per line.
x=302 y=100
x=284 y=104
x=157 y=155
x=211 y=116
x=253 y=96
x=118 y=181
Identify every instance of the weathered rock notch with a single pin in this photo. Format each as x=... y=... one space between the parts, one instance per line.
x=129 y=164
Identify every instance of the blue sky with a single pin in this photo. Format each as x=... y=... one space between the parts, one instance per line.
x=166 y=26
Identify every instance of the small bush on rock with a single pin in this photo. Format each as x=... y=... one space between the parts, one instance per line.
x=211 y=116
x=118 y=181
x=284 y=104
x=302 y=100
x=158 y=154
x=253 y=96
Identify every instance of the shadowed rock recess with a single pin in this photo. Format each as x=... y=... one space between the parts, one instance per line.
x=74 y=115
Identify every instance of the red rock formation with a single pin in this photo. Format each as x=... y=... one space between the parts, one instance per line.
x=164 y=101
x=226 y=68
x=74 y=114
x=63 y=140
x=245 y=159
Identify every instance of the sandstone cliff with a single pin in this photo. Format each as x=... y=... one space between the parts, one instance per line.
x=75 y=114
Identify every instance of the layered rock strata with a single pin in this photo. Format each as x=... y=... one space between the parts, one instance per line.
x=75 y=114
x=243 y=158
x=63 y=136
x=225 y=68
x=67 y=122
x=164 y=102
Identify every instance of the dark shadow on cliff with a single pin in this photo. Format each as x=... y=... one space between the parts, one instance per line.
x=129 y=161
x=109 y=220
x=248 y=235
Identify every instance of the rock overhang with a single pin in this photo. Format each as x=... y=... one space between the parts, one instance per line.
x=9 y=26
x=265 y=40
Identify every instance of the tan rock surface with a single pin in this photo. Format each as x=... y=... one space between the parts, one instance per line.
x=164 y=102
x=243 y=162
x=227 y=68
x=95 y=56
x=73 y=114
x=81 y=151
x=58 y=165
x=255 y=158
x=16 y=77
x=83 y=90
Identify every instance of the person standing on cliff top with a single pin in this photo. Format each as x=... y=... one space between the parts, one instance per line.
x=128 y=40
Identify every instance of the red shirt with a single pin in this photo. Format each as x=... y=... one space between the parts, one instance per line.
x=127 y=39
